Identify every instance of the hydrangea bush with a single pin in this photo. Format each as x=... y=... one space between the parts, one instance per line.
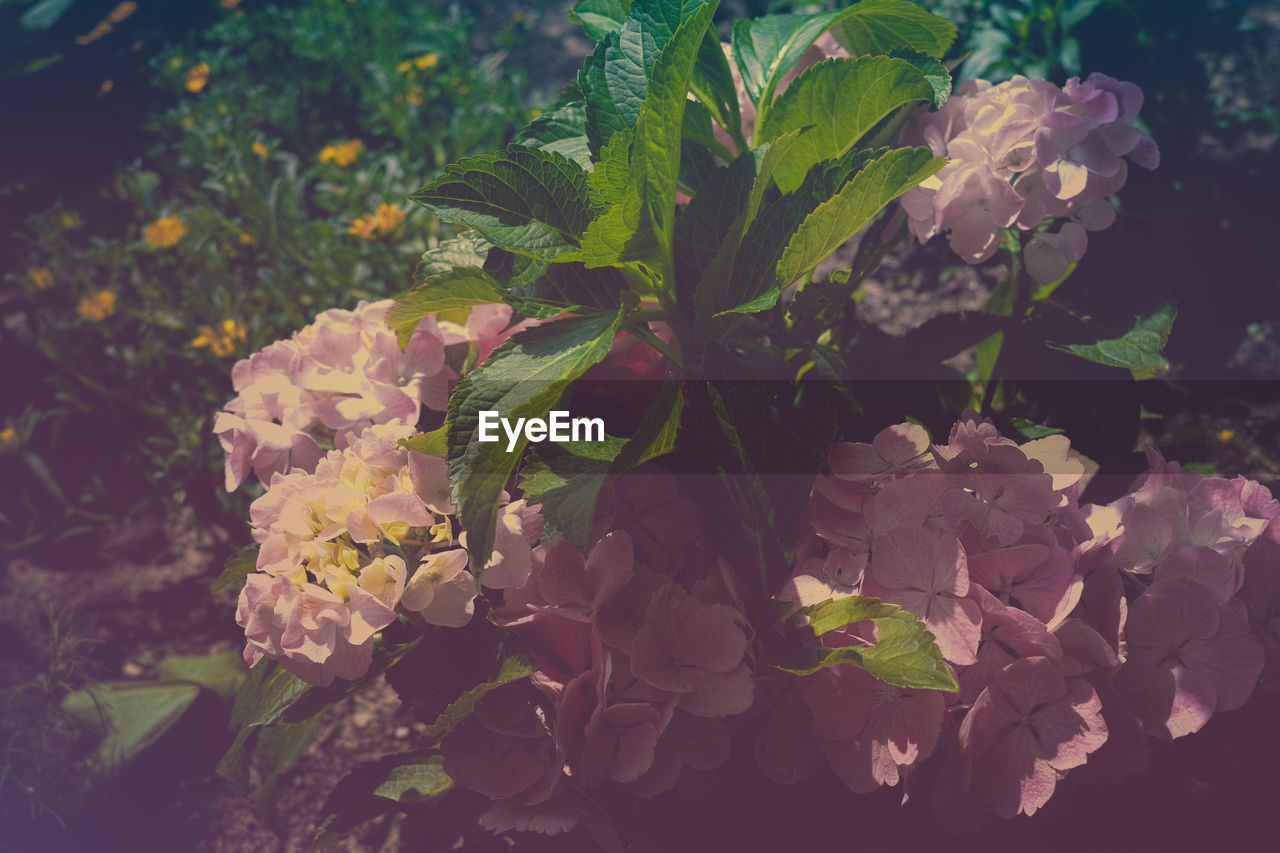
x=720 y=572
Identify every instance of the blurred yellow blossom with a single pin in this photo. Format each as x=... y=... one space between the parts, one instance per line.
x=260 y=149
x=404 y=67
x=342 y=154
x=99 y=30
x=70 y=219
x=245 y=238
x=364 y=226
x=427 y=60
x=197 y=76
x=121 y=11
x=41 y=277
x=8 y=438
x=99 y=306
x=164 y=232
x=105 y=86
x=175 y=62
x=389 y=217
x=220 y=339
x=415 y=96
x=1226 y=435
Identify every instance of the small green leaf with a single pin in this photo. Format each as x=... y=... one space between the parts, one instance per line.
x=459 y=287
x=841 y=99
x=222 y=673
x=904 y=653
x=465 y=250
x=433 y=443
x=380 y=787
x=877 y=26
x=415 y=781
x=933 y=71
x=523 y=378
x=525 y=200
x=600 y=17
x=540 y=289
x=242 y=564
x=835 y=221
x=277 y=749
x=513 y=669
x=562 y=130
x=1140 y=349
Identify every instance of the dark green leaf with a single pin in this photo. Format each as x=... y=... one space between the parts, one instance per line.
x=600 y=17
x=539 y=289
x=766 y=48
x=459 y=287
x=522 y=199
x=524 y=378
x=377 y=788
x=513 y=669
x=242 y=564
x=933 y=71
x=562 y=130
x=129 y=715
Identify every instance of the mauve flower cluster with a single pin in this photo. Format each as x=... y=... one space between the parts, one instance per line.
x=344 y=372
x=1073 y=632
x=634 y=671
x=1022 y=153
x=326 y=580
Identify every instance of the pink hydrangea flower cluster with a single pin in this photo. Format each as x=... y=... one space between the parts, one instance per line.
x=326 y=580
x=1023 y=153
x=636 y=672
x=1073 y=632
x=344 y=372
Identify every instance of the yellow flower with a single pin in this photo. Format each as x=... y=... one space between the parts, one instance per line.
x=220 y=339
x=1226 y=435
x=99 y=306
x=245 y=238
x=259 y=149
x=197 y=76
x=388 y=217
x=121 y=11
x=187 y=122
x=342 y=154
x=105 y=86
x=363 y=226
x=70 y=219
x=42 y=278
x=405 y=66
x=8 y=438
x=518 y=18
x=164 y=232
x=99 y=30
x=415 y=96
x=427 y=60
x=175 y=62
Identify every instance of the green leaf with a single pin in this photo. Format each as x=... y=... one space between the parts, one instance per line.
x=841 y=99
x=904 y=653
x=539 y=289
x=641 y=224
x=317 y=700
x=222 y=673
x=265 y=695
x=566 y=486
x=766 y=48
x=129 y=715
x=522 y=199
x=277 y=749
x=712 y=83
x=933 y=71
x=1140 y=349
x=600 y=17
x=877 y=26
x=459 y=287
x=610 y=177
x=242 y=564
x=433 y=443
x=376 y=788
x=835 y=221
x=523 y=378
x=465 y=250
x=44 y=14
x=562 y=130
x=513 y=669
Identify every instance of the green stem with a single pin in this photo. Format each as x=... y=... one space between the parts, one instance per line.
x=657 y=343
x=1020 y=296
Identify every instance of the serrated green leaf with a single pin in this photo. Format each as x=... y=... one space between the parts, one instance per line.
x=836 y=220
x=513 y=669
x=933 y=71
x=459 y=287
x=415 y=782
x=540 y=289
x=465 y=250
x=524 y=200
x=640 y=226
x=610 y=177
x=262 y=699
x=129 y=715
x=712 y=83
x=242 y=564
x=765 y=48
x=562 y=130
x=877 y=26
x=841 y=99
x=277 y=749
x=600 y=17
x=523 y=378
x=904 y=653
x=1141 y=349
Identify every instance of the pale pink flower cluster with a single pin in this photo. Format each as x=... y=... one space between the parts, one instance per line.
x=326 y=582
x=1022 y=153
x=635 y=672
x=1057 y=658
